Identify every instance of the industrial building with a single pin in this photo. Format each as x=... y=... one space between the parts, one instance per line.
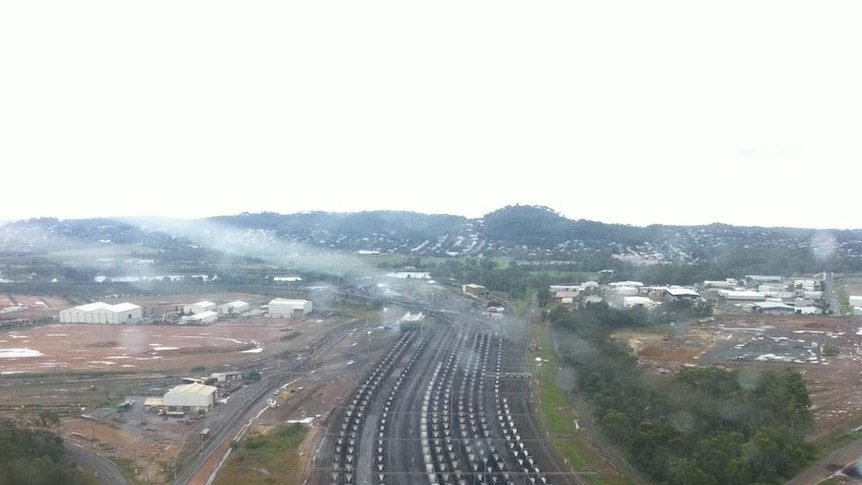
x=773 y=308
x=411 y=321
x=199 y=307
x=742 y=295
x=638 y=301
x=474 y=289
x=233 y=308
x=284 y=307
x=676 y=293
x=190 y=398
x=201 y=318
x=100 y=312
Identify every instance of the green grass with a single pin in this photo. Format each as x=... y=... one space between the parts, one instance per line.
x=840 y=438
x=558 y=415
x=264 y=459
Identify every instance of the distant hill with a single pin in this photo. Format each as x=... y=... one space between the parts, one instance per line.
x=543 y=227
x=403 y=224
x=521 y=231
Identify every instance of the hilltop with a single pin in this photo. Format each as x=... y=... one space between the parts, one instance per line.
x=523 y=234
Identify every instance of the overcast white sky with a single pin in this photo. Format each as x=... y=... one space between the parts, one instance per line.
x=743 y=112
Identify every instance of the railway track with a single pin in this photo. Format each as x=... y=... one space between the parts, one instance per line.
x=245 y=403
x=442 y=409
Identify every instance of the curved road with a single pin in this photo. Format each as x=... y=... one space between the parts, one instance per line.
x=104 y=469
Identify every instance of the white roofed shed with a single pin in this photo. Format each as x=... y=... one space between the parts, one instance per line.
x=190 y=398
x=199 y=307
x=234 y=308
x=285 y=307
x=100 y=312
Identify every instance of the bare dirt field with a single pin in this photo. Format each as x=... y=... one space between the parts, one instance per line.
x=81 y=371
x=84 y=347
x=762 y=341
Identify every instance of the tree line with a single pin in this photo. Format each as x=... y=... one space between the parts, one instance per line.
x=35 y=457
x=702 y=426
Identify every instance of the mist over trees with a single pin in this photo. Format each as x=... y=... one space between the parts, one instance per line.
x=705 y=425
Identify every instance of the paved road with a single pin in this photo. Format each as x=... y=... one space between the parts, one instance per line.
x=829 y=292
x=104 y=469
x=828 y=466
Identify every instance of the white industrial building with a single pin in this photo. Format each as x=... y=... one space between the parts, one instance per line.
x=773 y=307
x=617 y=284
x=190 y=398
x=411 y=321
x=638 y=301
x=284 y=307
x=759 y=278
x=565 y=288
x=808 y=285
x=201 y=318
x=199 y=307
x=474 y=289
x=625 y=290
x=742 y=295
x=233 y=308
x=676 y=293
x=565 y=296
x=100 y=312
x=728 y=283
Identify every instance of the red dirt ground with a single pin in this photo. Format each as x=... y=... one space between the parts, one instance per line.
x=834 y=383
x=75 y=367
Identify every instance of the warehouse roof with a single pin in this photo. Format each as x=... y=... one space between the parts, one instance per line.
x=235 y=303
x=120 y=307
x=772 y=304
x=678 y=291
x=201 y=315
x=288 y=301
x=91 y=307
x=195 y=388
x=154 y=402
x=124 y=307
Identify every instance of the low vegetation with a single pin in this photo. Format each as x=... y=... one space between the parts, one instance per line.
x=264 y=459
x=706 y=425
x=559 y=417
x=35 y=457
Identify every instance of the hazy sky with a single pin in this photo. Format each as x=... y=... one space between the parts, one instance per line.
x=748 y=112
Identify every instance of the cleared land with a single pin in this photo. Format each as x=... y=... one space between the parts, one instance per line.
x=81 y=372
x=754 y=342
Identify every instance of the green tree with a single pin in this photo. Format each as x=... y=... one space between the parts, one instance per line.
x=683 y=471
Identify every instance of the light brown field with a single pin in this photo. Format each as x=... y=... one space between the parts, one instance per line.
x=833 y=382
